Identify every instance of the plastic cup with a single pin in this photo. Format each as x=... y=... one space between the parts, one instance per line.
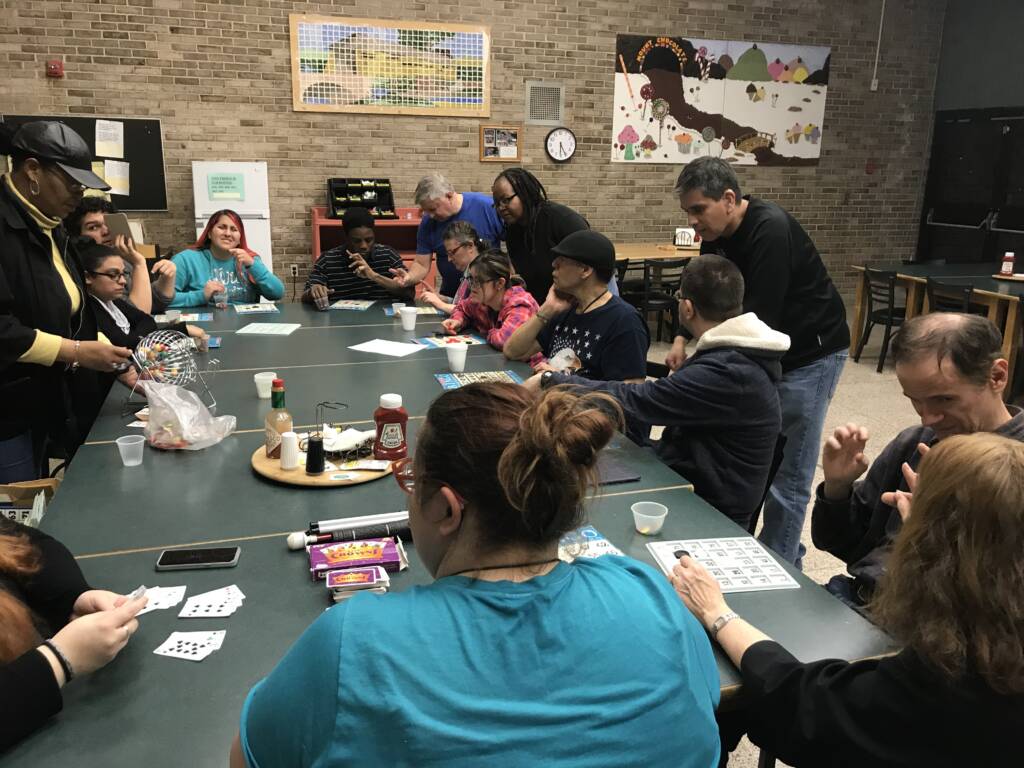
x=130 y=448
x=408 y=318
x=397 y=307
x=649 y=517
x=456 y=357
x=322 y=302
x=173 y=315
x=264 y=382
x=220 y=299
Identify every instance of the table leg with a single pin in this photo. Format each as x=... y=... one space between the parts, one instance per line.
x=859 y=303
x=917 y=299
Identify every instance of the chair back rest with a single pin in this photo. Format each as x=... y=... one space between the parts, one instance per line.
x=663 y=275
x=881 y=288
x=948 y=297
x=621 y=267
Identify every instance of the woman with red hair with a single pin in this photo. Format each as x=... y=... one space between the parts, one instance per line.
x=220 y=268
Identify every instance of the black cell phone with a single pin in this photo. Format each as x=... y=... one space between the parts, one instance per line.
x=187 y=559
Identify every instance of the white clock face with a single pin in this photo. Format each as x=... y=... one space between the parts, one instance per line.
x=561 y=145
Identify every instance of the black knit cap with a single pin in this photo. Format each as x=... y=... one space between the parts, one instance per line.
x=56 y=142
x=587 y=247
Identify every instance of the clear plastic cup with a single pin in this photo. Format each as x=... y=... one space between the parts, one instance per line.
x=456 y=357
x=220 y=299
x=130 y=448
x=408 y=318
x=264 y=382
x=322 y=302
x=649 y=517
x=173 y=315
x=397 y=307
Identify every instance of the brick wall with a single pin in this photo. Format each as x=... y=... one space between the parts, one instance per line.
x=217 y=74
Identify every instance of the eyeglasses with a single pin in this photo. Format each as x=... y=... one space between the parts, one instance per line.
x=404 y=475
x=477 y=282
x=115 y=276
x=503 y=202
x=69 y=182
x=458 y=248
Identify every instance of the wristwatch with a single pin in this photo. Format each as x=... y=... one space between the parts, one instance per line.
x=721 y=621
x=547 y=379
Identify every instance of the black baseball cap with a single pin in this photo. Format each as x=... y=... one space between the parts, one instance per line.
x=587 y=247
x=53 y=141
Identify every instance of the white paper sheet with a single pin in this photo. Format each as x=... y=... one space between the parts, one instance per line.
x=270 y=329
x=109 y=138
x=115 y=173
x=384 y=347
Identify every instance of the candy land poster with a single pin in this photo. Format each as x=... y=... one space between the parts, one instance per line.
x=678 y=98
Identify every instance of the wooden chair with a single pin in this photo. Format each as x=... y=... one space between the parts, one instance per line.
x=661 y=281
x=948 y=297
x=881 y=310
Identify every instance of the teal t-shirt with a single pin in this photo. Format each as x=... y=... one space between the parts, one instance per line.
x=196 y=267
x=596 y=663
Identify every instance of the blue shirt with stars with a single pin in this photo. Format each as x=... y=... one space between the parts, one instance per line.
x=610 y=341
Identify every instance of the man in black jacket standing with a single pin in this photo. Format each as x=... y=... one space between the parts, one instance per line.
x=720 y=409
x=787 y=287
x=951 y=368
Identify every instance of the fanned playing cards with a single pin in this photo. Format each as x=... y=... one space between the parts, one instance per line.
x=216 y=604
x=191 y=646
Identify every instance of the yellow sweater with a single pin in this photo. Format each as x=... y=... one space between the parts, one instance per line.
x=46 y=345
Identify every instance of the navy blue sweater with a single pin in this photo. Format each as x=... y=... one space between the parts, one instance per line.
x=721 y=416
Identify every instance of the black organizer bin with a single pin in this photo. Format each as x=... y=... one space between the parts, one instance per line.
x=373 y=194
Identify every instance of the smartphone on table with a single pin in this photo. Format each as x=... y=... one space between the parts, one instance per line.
x=188 y=559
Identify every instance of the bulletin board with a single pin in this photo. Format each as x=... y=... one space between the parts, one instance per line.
x=143 y=151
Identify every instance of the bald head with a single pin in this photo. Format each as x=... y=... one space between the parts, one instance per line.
x=970 y=342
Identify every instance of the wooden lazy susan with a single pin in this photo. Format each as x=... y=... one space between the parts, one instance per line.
x=333 y=477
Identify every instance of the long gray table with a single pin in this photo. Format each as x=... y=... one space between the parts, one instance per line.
x=145 y=709
x=149 y=710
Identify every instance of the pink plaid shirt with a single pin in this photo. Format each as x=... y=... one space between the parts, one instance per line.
x=518 y=307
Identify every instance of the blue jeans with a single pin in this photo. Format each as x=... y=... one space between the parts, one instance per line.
x=805 y=394
x=17 y=462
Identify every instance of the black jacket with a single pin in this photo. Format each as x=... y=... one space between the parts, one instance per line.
x=720 y=411
x=787 y=285
x=859 y=530
x=35 y=398
x=530 y=249
x=28 y=691
x=896 y=711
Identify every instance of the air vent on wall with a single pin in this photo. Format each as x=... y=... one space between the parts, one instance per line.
x=545 y=103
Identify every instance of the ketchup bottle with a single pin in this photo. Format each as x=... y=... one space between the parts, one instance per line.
x=391 y=419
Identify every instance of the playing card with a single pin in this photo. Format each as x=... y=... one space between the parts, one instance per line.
x=139 y=591
x=191 y=646
x=215 y=604
x=161 y=598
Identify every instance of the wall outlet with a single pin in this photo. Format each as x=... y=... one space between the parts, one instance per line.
x=874 y=84
x=295 y=270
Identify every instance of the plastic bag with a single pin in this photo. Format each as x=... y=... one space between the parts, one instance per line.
x=178 y=420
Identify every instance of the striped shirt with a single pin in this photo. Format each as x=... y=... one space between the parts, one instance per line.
x=332 y=269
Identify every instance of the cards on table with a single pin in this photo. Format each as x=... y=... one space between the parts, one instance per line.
x=215 y=604
x=254 y=309
x=444 y=341
x=191 y=646
x=213 y=342
x=456 y=380
x=356 y=305
x=390 y=311
x=739 y=563
x=186 y=317
x=160 y=598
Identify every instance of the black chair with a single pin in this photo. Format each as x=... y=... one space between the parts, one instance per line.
x=620 y=272
x=881 y=310
x=661 y=281
x=948 y=297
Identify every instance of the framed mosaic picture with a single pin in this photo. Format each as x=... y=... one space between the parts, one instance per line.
x=500 y=143
x=378 y=66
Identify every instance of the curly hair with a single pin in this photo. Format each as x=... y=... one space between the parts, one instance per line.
x=954 y=592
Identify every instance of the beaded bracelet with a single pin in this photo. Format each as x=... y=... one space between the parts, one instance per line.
x=69 y=672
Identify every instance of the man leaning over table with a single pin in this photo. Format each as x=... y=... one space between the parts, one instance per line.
x=787 y=287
